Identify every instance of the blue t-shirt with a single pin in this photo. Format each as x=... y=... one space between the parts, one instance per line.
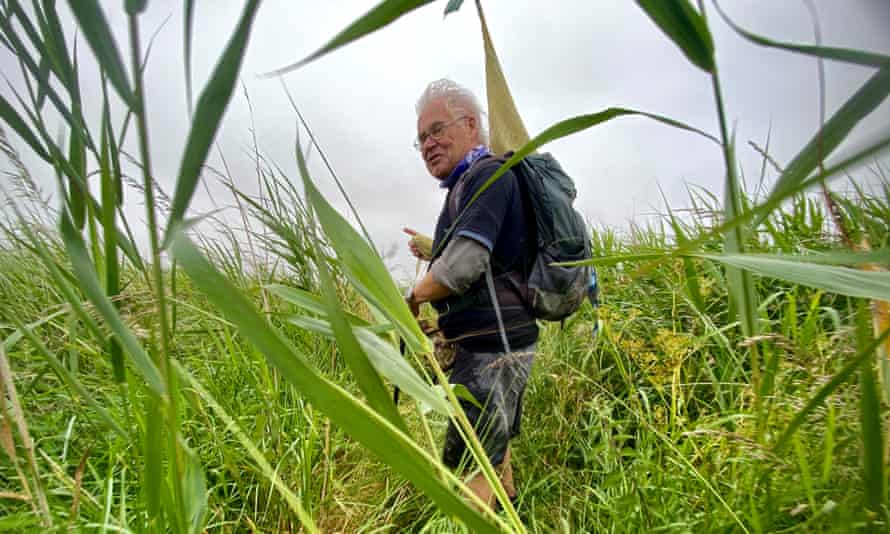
x=497 y=221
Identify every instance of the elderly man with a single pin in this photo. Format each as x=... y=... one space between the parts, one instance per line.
x=477 y=250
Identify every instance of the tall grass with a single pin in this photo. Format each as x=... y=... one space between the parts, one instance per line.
x=728 y=337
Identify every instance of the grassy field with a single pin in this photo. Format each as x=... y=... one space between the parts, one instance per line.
x=243 y=382
x=649 y=424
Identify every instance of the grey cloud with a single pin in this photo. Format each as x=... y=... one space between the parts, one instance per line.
x=561 y=59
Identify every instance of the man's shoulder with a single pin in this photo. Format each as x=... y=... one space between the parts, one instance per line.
x=489 y=164
x=484 y=168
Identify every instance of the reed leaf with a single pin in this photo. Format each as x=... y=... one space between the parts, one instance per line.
x=135 y=7
x=44 y=67
x=568 y=127
x=110 y=203
x=23 y=54
x=11 y=117
x=187 y=28
x=94 y=26
x=386 y=360
x=685 y=27
x=56 y=47
x=312 y=303
x=742 y=295
x=605 y=261
x=841 y=280
x=194 y=492
x=379 y=16
x=363 y=265
x=833 y=257
x=355 y=418
x=363 y=370
x=835 y=130
x=77 y=194
x=452 y=6
x=847 y=55
x=862 y=153
x=209 y=112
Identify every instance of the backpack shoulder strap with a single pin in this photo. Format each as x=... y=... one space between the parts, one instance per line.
x=456 y=194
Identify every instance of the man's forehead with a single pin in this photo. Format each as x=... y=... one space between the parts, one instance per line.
x=435 y=110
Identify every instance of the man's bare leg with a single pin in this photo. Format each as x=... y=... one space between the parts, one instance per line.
x=480 y=486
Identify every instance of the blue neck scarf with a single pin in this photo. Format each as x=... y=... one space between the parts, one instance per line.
x=472 y=156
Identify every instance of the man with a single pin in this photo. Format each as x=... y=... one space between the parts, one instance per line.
x=486 y=241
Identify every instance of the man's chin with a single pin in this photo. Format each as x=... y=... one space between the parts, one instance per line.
x=438 y=173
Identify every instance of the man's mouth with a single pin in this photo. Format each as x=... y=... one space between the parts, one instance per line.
x=434 y=158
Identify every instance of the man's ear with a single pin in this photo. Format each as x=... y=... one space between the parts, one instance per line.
x=473 y=124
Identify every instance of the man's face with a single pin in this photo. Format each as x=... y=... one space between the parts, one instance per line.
x=456 y=137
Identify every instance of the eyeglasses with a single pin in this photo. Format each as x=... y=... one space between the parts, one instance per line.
x=436 y=131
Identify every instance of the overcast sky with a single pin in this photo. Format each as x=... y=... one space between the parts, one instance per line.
x=561 y=59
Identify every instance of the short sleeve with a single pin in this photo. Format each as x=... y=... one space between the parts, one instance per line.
x=484 y=219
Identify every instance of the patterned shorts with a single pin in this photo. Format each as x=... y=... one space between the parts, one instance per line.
x=497 y=380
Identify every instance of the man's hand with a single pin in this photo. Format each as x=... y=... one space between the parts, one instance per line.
x=427 y=290
x=421 y=246
x=413 y=304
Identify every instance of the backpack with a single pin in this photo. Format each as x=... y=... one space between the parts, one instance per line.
x=554 y=292
x=558 y=233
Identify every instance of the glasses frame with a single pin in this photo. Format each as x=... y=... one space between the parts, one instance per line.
x=436 y=131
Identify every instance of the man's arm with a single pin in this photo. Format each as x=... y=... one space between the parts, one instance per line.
x=462 y=262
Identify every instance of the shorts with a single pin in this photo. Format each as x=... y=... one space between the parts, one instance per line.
x=497 y=380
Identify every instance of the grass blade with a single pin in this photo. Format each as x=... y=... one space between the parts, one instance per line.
x=208 y=114
x=64 y=374
x=870 y=419
x=685 y=26
x=255 y=454
x=364 y=424
x=83 y=270
x=8 y=389
x=92 y=22
x=379 y=16
x=23 y=54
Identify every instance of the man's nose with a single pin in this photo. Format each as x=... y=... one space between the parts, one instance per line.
x=429 y=142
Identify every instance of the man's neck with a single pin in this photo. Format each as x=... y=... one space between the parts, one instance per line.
x=473 y=155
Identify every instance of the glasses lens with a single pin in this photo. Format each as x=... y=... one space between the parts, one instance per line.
x=435 y=131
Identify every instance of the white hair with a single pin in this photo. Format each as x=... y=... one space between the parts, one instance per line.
x=458 y=101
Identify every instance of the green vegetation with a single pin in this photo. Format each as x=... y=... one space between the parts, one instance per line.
x=738 y=381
